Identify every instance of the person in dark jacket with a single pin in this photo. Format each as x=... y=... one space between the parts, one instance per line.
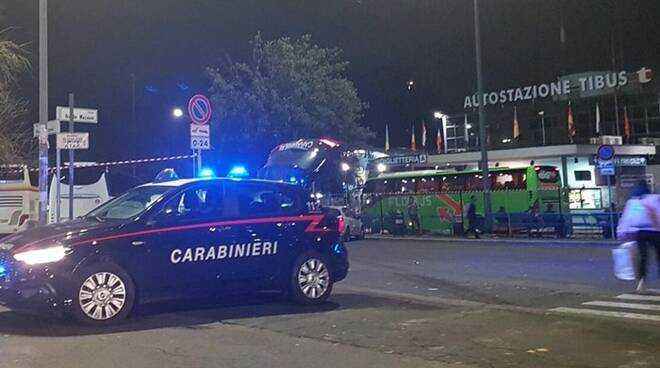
x=471 y=214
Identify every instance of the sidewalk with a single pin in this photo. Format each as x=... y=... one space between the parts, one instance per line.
x=486 y=239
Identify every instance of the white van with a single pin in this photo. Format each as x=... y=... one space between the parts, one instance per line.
x=19 y=199
x=85 y=198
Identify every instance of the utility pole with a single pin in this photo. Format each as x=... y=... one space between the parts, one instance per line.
x=43 y=111
x=71 y=158
x=482 y=121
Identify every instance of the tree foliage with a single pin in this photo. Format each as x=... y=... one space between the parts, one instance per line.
x=16 y=143
x=290 y=89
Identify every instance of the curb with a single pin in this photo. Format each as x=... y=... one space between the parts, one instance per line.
x=502 y=241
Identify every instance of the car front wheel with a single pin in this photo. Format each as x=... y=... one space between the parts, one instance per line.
x=311 y=282
x=104 y=295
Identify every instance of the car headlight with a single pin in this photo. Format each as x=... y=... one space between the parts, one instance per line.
x=39 y=256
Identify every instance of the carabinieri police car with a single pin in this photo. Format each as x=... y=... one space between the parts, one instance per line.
x=171 y=240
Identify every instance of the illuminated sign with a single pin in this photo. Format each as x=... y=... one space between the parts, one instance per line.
x=586 y=84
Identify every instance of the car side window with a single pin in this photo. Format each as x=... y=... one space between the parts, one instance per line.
x=204 y=202
x=260 y=200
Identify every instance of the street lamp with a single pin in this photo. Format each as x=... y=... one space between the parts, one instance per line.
x=438 y=115
x=381 y=167
x=410 y=85
x=177 y=112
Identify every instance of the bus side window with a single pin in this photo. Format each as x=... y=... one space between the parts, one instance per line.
x=404 y=185
x=454 y=183
x=425 y=185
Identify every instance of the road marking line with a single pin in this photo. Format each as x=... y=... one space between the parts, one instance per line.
x=596 y=312
x=599 y=303
x=651 y=298
x=435 y=300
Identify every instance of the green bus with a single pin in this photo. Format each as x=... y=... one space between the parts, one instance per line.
x=438 y=197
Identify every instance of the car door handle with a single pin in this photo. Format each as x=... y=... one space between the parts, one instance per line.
x=138 y=242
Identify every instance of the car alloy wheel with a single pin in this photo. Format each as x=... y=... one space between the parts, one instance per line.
x=313 y=278
x=102 y=296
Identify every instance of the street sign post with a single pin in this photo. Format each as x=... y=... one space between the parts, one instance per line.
x=73 y=141
x=200 y=137
x=606 y=167
x=199 y=111
x=80 y=115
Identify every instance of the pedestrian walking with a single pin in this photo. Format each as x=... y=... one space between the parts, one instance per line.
x=471 y=212
x=413 y=215
x=640 y=221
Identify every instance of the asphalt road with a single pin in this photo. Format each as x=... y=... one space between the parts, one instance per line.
x=404 y=304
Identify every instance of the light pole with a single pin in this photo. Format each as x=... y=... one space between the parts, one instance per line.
x=482 y=120
x=43 y=111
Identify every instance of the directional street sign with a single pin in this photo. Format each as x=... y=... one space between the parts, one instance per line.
x=606 y=167
x=79 y=115
x=200 y=137
x=73 y=141
x=199 y=109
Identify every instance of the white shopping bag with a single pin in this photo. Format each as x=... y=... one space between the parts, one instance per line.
x=625 y=259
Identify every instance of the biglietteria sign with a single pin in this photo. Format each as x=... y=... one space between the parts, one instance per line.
x=558 y=88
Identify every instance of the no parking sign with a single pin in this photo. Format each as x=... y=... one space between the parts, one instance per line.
x=199 y=109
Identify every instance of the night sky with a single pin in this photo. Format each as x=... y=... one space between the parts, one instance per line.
x=102 y=49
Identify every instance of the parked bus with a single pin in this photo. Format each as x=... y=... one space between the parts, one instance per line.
x=391 y=200
x=19 y=198
x=90 y=191
x=316 y=164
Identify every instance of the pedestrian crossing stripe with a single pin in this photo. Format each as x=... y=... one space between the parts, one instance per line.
x=641 y=306
x=597 y=312
x=628 y=304
x=650 y=298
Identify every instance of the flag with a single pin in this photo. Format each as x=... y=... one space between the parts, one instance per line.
x=597 y=119
x=438 y=141
x=627 y=127
x=387 y=138
x=570 y=123
x=423 y=134
x=516 y=127
x=413 y=146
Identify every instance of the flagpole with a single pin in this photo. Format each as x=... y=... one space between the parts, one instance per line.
x=482 y=120
x=387 y=138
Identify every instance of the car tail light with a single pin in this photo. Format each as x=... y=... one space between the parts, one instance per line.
x=341 y=224
x=22 y=219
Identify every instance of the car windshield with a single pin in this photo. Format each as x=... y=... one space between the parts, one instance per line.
x=130 y=204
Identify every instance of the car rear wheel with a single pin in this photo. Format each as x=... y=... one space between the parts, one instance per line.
x=105 y=294
x=311 y=281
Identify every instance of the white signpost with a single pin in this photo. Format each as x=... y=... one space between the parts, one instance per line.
x=80 y=115
x=199 y=112
x=200 y=137
x=72 y=141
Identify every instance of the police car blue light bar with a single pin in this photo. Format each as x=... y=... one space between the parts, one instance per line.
x=238 y=171
x=206 y=173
